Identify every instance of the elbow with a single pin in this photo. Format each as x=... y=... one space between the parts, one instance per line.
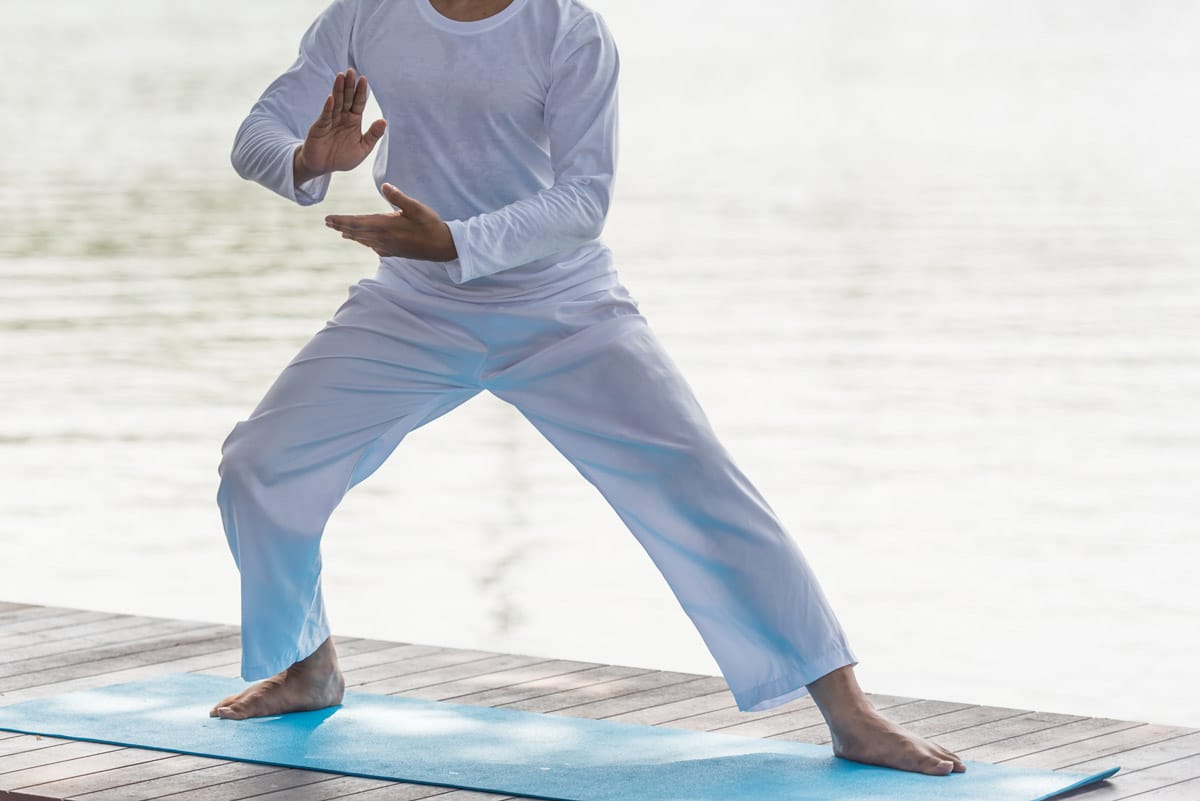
x=592 y=228
x=236 y=161
x=596 y=195
x=237 y=154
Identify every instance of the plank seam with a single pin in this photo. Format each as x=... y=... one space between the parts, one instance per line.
x=1136 y=747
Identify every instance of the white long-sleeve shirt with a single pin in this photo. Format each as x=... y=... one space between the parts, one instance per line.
x=506 y=127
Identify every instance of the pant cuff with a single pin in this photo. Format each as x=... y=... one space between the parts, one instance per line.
x=789 y=687
x=253 y=671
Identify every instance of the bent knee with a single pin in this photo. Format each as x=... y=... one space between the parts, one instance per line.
x=246 y=453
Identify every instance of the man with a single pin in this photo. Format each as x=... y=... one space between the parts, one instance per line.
x=501 y=117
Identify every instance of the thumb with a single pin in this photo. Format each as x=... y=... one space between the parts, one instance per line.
x=374 y=133
x=397 y=197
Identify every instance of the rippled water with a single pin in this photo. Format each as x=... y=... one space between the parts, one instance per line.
x=932 y=268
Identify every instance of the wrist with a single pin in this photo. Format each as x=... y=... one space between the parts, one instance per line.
x=448 y=250
x=301 y=172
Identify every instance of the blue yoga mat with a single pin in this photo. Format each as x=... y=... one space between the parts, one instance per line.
x=503 y=750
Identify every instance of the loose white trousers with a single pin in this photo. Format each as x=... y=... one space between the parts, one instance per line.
x=590 y=375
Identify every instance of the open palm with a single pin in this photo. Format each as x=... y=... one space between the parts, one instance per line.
x=336 y=140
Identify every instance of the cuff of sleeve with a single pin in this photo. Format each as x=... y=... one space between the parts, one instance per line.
x=461 y=269
x=311 y=191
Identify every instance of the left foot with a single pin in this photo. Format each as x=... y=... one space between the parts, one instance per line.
x=861 y=734
x=866 y=736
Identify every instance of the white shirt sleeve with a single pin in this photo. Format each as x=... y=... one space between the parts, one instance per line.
x=581 y=124
x=278 y=122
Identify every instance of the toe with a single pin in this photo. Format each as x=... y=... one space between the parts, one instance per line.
x=936 y=766
x=234 y=712
x=226 y=701
x=959 y=767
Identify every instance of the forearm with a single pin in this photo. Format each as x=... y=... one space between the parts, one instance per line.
x=554 y=220
x=265 y=151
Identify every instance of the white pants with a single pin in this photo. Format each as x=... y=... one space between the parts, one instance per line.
x=591 y=376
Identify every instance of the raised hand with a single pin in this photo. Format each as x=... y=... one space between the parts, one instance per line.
x=336 y=142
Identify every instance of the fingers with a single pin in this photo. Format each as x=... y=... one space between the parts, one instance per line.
x=339 y=89
x=348 y=89
x=374 y=243
x=326 y=117
x=368 y=233
x=367 y=224
x=359 y=100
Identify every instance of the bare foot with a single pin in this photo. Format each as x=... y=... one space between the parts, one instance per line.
x=313 y=683
x=867 y=736
x=861 y=734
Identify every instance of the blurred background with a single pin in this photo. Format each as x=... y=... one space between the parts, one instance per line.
x=932 y=269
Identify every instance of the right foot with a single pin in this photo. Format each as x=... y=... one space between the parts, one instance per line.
x=313 y=683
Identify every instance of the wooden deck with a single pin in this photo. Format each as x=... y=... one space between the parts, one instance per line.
x=50 y=650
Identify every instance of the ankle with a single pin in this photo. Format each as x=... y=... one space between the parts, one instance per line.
x=321 y=662
x=839 y=697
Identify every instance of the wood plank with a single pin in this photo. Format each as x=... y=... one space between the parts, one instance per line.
x=23 y=779
x=138 y=657
x=29 y=622
x=5 y=796
x=1045 y=739
x=965 y=717
x=567 y=701
x=249 y=786
x=398 y=675
x=803 y=718
x=1111 y=744
x=547 y=686
x=1130 y=785
x=457 y=689
x=181 y=663
x=33 y=611
x=325 y=790
x=442 y=672
x=179 y=782
x=412 y=792
x=1002 y=729
x=681 y=709
x=127 y=775
x=9 y=606
x=46 y=756
x=1173 y=749
x=75 y=630
x=649 y=698
x=91 y=636
x=29 y=742
x=26 y=672
x=1188 y=790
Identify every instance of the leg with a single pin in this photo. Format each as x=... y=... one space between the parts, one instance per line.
x=375 y=372
x=611 y=400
